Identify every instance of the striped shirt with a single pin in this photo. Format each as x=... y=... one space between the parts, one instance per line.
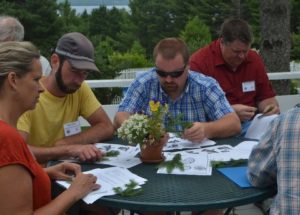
x=275 y=162
x=202 y=100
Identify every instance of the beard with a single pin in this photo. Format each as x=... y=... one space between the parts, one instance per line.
x=61 y=84
x=170 y=87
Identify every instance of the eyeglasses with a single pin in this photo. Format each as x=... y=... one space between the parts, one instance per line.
x=174 y=74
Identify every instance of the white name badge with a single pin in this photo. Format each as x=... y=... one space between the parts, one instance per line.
x=248 y=86
x=72 y=128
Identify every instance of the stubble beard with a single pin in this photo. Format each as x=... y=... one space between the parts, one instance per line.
x=170 y=88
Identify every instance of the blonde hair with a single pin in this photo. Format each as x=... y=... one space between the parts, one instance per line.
x=17 y=57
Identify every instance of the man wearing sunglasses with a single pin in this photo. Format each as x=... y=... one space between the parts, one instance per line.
x=239 y=70
x=198 y=98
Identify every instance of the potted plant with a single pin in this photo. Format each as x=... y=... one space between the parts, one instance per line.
x=148 y=131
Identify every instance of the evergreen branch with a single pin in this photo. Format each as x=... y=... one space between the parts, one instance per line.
x=170 y=165
x=108 y=154
x=231 y=163
x=173 y=122
x=130 y=189
x=112 y=153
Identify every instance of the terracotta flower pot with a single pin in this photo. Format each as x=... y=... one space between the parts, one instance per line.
x=153 y=153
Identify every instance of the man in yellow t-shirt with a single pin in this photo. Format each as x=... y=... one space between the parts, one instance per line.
x=52 y=129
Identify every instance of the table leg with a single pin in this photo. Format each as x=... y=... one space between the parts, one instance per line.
x=228 y=210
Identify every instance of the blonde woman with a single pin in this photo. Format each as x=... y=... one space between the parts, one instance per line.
x=24 y=185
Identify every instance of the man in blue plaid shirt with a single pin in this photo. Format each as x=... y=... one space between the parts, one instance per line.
x=275 y=162
x=197 y=97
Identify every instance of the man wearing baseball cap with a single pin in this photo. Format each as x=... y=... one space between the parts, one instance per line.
x=52 y=130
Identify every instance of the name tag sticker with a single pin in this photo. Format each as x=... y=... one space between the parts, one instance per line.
x=248 y=86
x=72 y=128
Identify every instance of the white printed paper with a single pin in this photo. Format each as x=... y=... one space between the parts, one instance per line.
x=194 y=163
x=241 y=151
x=259 y=126
x=108 y=178
x=175 y=142
x=126 y=158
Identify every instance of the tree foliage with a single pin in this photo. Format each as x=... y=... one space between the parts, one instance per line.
x=126 y=38
x=40 y=20
x=295 y=52
x=154 y=20
x=70 y=21
x=196 y=34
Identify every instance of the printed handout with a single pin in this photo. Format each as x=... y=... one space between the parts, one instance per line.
x=108 y=178
x=126 y=155
x=175 y=142
x=259 y=126
x=194 y=163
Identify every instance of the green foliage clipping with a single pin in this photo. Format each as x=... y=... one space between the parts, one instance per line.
x=130 y=190
x=111 y=153
x=170 y=165
x=231 y=163
x=178 y=121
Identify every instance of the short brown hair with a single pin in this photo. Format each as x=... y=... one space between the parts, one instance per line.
x=236 y=29
x=170 y=47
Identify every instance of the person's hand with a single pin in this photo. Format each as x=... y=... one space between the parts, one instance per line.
x=63 y=171
x=83 y=184
x=244 y=112
x=87 y=152
x=270 y=109
x=196 y=133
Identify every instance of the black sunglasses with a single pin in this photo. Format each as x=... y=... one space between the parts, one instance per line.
x=174 y=74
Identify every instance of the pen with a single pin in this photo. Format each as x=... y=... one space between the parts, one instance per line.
x=268 y=110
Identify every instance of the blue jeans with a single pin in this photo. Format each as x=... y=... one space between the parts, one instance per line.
x=245 y=126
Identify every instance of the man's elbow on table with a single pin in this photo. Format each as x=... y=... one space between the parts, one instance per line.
x=237 y=127
x=229 y=125
x=120 y=118
x=232 y=125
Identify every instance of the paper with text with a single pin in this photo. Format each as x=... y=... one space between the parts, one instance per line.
x=195 y=163
x=259 y=126
x=126 y=158
x=108 y=178
x=175 y=142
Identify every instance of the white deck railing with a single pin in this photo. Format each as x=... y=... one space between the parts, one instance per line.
x=125 y=82
x=285 y=101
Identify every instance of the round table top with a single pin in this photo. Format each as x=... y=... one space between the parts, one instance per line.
x=168 y=192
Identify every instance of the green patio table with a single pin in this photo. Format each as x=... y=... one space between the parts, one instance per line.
x=175 y=193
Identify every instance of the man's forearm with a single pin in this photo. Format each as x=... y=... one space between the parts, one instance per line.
x=120 y=118
x=227 y=126
x=45 y=154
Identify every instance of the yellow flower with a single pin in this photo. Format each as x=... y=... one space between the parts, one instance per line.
x=154 y=105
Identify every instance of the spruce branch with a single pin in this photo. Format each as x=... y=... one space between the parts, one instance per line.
x=231 y=163
x=130 y=190
x=108 y=154
x=170 y=165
